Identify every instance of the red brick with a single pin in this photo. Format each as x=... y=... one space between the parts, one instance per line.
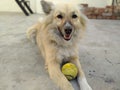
x=107 y=14
x=94 y=17
x=104 y=17
x=84 y=5
x=118 y=17
x=102 y=13
x=89 y=16
x=96 y=11
x=109 y=6
x=99 y=17
x=114 y=17
x=101 y=10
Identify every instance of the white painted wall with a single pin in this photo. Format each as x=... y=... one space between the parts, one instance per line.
x=38 y=6
x=97 y=3
x=109 y=2
x=11 y=5
x=92 y=3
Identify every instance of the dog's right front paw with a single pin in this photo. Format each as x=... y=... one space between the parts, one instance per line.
x=85 y=87
x=84 y=84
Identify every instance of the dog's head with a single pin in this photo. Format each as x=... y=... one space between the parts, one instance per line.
x=67 y=18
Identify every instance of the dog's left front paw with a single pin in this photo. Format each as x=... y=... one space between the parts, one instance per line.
x=84 y=84
x=85 y=87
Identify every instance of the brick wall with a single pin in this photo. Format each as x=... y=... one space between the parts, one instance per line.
x=109 y=12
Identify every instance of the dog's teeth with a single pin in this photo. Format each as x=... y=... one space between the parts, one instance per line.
x=67 y=37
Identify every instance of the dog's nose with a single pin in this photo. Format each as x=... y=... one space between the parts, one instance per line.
x=68 y=28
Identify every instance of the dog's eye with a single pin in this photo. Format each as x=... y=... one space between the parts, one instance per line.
x=59 y=16
x=74 y=16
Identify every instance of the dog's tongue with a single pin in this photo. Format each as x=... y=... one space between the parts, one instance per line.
x=67 y=37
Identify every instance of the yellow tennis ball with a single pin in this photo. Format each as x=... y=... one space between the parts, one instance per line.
x=70 y=71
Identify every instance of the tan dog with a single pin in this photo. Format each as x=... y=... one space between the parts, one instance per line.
x=57 y=34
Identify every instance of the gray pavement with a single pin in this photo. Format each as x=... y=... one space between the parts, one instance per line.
x=22 y=67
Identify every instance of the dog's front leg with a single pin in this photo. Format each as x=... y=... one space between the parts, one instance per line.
x=53 y=63
x=81 y=77
x=57 y=76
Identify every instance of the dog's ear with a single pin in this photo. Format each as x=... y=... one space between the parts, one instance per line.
x=83 y=18
x=46 y=6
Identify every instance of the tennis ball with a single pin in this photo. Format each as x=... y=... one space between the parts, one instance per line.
x=70 y=71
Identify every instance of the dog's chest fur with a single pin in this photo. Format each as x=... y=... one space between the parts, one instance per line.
x=65 y=54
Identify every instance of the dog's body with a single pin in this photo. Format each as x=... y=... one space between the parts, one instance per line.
x=57 y=35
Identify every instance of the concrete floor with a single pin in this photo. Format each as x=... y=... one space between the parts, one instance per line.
x=22 y=67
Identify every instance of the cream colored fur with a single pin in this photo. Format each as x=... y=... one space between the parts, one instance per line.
x=55 y=49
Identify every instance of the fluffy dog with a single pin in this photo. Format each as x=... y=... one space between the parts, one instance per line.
x=57 y=34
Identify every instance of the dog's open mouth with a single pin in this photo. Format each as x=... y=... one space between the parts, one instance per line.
x=67 y=37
